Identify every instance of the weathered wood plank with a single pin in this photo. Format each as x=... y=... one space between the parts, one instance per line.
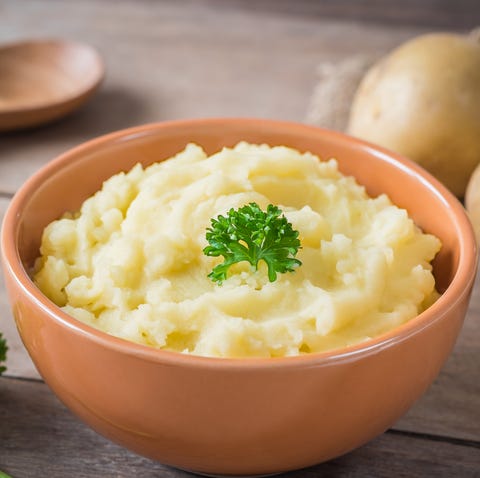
x=18 y=361
x=430 y=13
x=169 y=59
x=38 y=433
x=164 y=63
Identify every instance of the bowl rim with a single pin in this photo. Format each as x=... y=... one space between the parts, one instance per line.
x=455 y=293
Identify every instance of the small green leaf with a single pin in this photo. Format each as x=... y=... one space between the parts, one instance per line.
x=3 y=356
x=252 y=235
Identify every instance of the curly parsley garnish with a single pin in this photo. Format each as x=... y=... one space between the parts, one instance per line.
x=3 y=353
x=252 y=235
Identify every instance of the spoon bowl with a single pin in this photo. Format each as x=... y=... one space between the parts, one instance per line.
x=45 y=80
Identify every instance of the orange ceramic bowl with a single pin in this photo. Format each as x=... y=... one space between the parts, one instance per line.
x=235 y=416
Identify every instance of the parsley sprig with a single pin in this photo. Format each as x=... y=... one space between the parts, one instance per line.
x=3 y=353
x=252 y=235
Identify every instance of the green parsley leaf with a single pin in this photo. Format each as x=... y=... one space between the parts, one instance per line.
x=252 y=235
x=3 y=353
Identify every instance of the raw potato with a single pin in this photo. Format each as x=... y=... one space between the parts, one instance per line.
x=423 y=101
x=472 y=201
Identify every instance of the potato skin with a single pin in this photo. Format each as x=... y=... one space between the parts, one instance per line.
x=423 y=101
x=472 y=201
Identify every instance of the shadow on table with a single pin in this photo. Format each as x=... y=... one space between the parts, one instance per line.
x=109 y=110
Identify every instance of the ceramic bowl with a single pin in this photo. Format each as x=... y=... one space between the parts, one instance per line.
x=235 y=416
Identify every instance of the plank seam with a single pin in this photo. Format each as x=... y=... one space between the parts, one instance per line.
x=437 y=438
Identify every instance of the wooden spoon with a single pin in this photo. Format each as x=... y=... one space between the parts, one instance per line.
x=44 y=80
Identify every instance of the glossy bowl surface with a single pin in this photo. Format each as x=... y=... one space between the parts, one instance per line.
x=235 y=416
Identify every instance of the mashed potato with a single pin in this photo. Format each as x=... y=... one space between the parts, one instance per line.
x=130 y=262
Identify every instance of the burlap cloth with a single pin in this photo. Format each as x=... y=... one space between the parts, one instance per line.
x=333 y=94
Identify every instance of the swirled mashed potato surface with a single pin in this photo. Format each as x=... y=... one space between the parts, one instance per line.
x=130 y=262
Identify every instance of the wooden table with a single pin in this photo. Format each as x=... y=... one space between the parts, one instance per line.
x=171 y=59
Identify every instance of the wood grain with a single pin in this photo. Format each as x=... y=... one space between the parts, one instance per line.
x=38 y=433
x=174 y=59
x=170 y=59
x=432 y=13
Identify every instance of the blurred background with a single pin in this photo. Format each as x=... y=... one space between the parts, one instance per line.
x=169 y=59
